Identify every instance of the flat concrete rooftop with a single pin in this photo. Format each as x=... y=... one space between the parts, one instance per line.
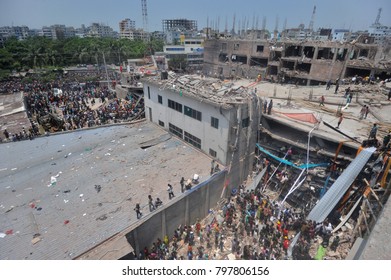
x=208 y=89
x=100 y=175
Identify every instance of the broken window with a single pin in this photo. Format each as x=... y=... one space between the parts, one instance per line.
x=212 y=153
x=293 y=51
x=259 y=48
x=223 y=57
x=276 y=55
x=325 y=53
x=224 y=47
x=236 y=46
x=364 y=53
x=273 y=70
x=341 y=54
x=351 y=72
x=239 y=58
x=246 y=122
x=261 y=62
x=309 y=52
x=305 y=67
x=288 y=64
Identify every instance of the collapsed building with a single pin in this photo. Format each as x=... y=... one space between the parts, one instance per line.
x=297 y=62
x=220 y=118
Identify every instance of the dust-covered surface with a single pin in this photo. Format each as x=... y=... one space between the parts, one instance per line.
x=63 y=194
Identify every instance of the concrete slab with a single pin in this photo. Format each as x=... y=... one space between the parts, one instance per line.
x=75 y=190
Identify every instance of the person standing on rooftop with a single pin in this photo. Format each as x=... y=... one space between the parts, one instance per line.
x=340 y=120
x=372 y=133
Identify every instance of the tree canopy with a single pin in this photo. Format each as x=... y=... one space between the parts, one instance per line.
x=41 y=52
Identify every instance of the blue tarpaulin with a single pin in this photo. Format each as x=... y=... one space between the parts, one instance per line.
x=287 y=162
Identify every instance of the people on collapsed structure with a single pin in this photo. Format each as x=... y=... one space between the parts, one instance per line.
x=253 y=228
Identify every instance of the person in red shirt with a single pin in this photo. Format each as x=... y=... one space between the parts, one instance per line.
x=285 y=244
x=321 y=101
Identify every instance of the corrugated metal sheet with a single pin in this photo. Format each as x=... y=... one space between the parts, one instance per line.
x=323 y=208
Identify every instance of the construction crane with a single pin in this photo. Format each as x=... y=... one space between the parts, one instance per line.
x=377 y=23
x=311 y=26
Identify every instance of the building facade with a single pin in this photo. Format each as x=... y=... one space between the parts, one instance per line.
x=217 y=118
x=302 y=62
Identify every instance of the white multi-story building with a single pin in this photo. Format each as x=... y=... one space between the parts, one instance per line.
x=380 y=33
x=192 y=49
x=340 y=34
x=100 y=30
x=219 y=118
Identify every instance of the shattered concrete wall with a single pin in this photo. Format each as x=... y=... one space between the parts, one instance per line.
x=242 y=140
x=326 y=60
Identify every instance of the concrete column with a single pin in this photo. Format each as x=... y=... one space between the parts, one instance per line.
x=335 y=54
x=316 y=52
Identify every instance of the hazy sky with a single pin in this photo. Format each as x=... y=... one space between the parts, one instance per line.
x=354 y=14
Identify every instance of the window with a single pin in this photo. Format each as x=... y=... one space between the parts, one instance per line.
x=175 y=130
x=214 y=122
x=259 y=48
x=246 y=122
x=175 y=105
x=175 y=49
x=212 y=153
x=191 y=139
x=149 y=94
x=161 y=123
x=192 y=113
x=236 y=47
x=223 y=46
x=160 y=99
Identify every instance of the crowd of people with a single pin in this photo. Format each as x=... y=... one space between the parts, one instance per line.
x=249 y=226
x=74 y=100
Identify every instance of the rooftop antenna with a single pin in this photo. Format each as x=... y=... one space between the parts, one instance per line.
x=276 y=28
x=311 y=25
x=233 y=26
x=145 y=15
x=264 y=23
x=207 y=27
